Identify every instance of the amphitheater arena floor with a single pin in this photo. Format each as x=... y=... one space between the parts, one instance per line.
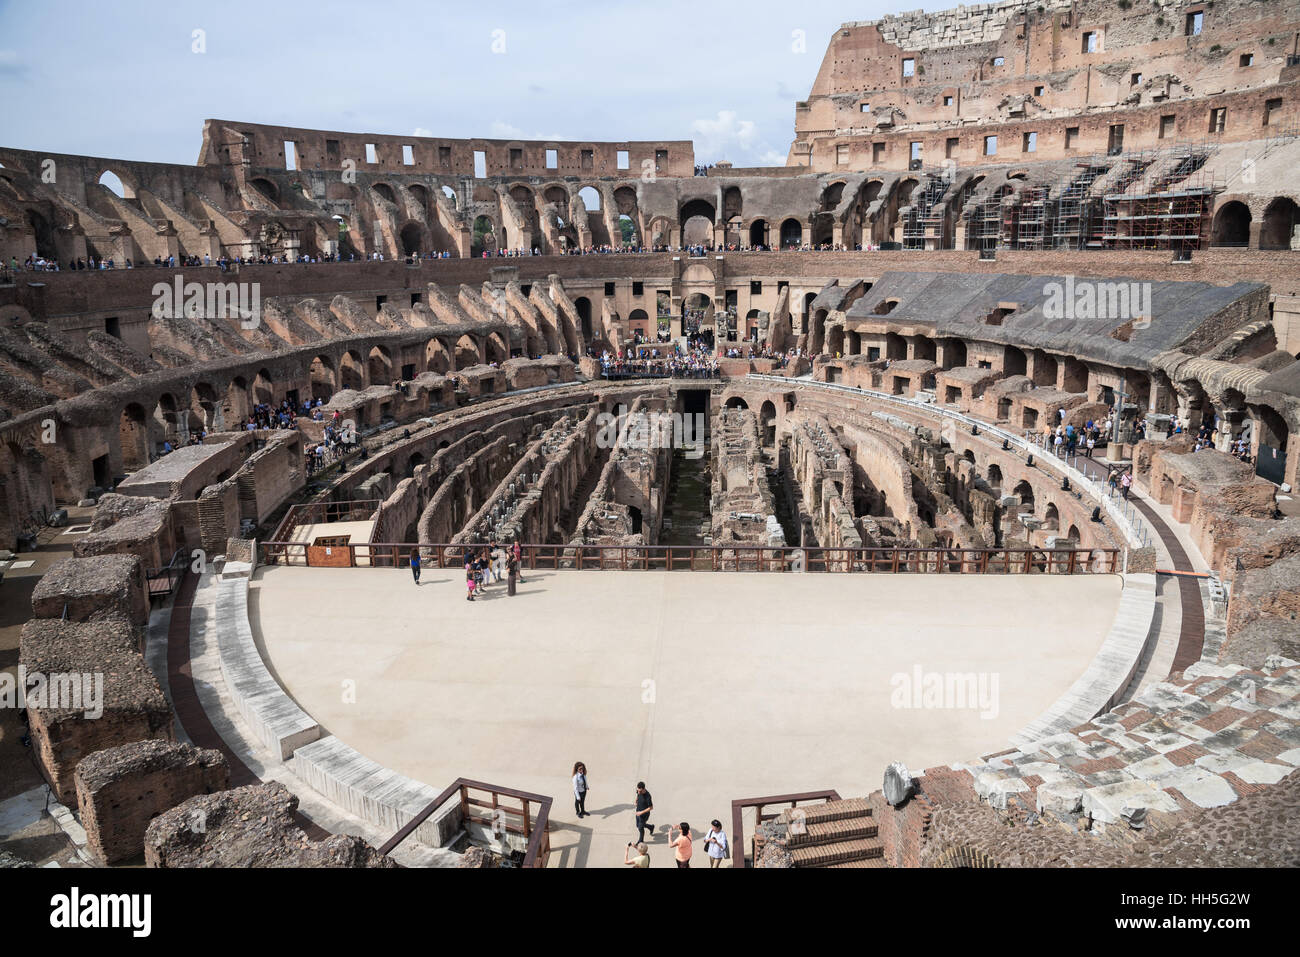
x=708 y=686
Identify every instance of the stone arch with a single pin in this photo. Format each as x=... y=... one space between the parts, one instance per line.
x=791 y=233
x=1052 y=517
x=118 y=181
x=412 y=238
x=352 y=371
x=235 y=406
x=467 y=352
x=495 y=347
x=995 y=475
x=204 y=410
x=832 y=195
x=758 y=233
x=43 y=235
x=386 y=191
x=166 y=418
x=28 y=491
x=321 y=374
x=484 y=236
x=583 y=305
x=263 y=387
x=1025 y=492
x=1280 y=219
x=379 y=365
x=736 y=402
x=267 y=189
x=733 y=202
x=437 y=358
x=767 y=422
x=556 y=194
x=1231 y=225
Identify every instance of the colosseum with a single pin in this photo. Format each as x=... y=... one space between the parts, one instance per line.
x=925 y=501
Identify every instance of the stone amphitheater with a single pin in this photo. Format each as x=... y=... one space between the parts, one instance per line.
x=799 y=545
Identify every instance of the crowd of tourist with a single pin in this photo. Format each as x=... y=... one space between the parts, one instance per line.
x=695 y=362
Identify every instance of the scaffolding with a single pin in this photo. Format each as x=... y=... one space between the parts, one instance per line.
x=925 y=220
x=1075 y=211
x=1164 y=201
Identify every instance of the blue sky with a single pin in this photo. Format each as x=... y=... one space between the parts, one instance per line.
x=122 y=79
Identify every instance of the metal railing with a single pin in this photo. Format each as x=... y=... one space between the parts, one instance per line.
x=1065 y=560
x=535 y=829
x=163 y=581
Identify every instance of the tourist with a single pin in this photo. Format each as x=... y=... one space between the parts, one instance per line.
x=580 y=789
x=469 y=582
x=643 y=855
x=1125 y=483
x=681 y=845
x=715 y=844
x=519 y=564
x=644 y=805
x=415 y=565
x=498 y=556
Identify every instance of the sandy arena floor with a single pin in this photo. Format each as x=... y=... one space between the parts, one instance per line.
x=708 y=686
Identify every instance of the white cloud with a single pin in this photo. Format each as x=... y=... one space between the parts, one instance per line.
x=422 y=132
x=721 y=137
x=506 y=131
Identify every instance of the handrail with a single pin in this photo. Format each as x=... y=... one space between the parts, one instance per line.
x=738 y=822
x=742 y=558
x=536 y=830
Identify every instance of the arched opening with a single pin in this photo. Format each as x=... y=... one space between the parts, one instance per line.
x=386 y=191
x=1231 y=225
x=43 y=234
x=268 y=190
x=496 y=348
x=379 y=365
x=758 y=233
x=1014 y=361
x=696 y=219
x=322 y=378
x=1051 y=518
x=113 y=183
x=1278 y=228
x=414 y=462
x=634 y=514
x=133 y=437
x=1025 y=492
x=995 y=477
x=1072 y=536
x=583 y=305
x=767 y=422
x=263 y=388
x=411 y=236
x=484 y=240
x=235 y=406
x=436 y=357
x=590 y=198
x=791 y=234
x=449 y=195
x=419 y=194
x=626 y=230
x=203 y=407
x=467 y=352
x=736 y=402
x=352 y=373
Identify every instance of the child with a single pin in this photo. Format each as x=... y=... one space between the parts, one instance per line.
x=469 y=582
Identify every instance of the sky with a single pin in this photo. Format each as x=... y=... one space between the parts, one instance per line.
x=135 y=80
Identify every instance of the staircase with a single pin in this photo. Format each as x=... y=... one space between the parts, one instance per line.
x=836 y=834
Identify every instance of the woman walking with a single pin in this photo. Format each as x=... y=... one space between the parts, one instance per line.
x=580 y=789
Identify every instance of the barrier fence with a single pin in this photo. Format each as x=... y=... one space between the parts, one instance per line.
x=716 y=558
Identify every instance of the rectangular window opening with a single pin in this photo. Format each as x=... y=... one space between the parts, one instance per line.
x=408 y=155
x=480 y=164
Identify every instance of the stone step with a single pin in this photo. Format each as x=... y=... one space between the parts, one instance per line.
x=861 y=862
x=829 y=832
x=828 y=811
x=843 y=852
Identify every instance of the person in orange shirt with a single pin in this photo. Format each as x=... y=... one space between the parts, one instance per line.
x=681 y=845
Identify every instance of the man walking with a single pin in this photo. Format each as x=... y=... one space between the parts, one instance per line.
x=415 y=565
x=644 y=805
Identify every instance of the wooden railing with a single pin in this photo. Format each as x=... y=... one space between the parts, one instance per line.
x=720 y=558
x=534 y=828
x=738 y=822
